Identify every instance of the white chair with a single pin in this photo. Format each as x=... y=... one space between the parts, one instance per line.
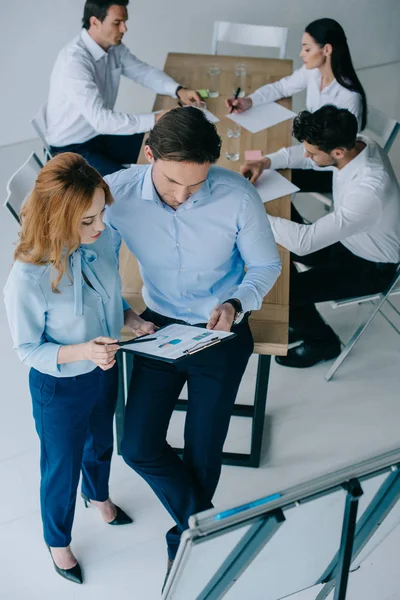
x=21 y=184
x=380 y=128
x=249 y=35
x=392 y=289
x=39 y=124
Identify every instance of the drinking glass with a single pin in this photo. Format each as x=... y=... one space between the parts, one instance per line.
x=213 y=75
x=232 y=150
x=239 y=80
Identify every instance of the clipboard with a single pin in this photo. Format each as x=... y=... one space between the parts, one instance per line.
x=195 y=346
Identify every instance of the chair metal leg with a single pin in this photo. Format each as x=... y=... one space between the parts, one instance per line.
x=354 y=339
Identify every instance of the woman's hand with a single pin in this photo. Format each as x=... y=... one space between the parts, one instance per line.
x=101 y=351
x=239 y=105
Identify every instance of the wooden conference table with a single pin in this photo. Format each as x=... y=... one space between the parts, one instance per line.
x=269 y=325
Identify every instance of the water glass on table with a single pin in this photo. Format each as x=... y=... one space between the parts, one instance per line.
x=232 y=144
x=213 y=76
x=239 y=80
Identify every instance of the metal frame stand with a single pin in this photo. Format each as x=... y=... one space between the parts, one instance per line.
x=254 y=411
x=242 y=555
x=376 y=512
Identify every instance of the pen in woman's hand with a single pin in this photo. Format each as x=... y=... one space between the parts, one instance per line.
x=235 y=98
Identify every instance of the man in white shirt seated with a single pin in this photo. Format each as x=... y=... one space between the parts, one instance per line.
x=84 y=86
x=354 y=250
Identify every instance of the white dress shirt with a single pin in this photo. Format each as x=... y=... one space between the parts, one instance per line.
x=366 y=207
x=334 y=93
x=83 y=90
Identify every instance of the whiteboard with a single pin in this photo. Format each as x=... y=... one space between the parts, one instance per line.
x=295 y=558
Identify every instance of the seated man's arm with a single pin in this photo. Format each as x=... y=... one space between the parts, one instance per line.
x=361 y=211
x=258 y=249
x=146 y=75
x=82 y=90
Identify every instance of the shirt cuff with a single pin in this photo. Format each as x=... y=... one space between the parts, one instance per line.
x=246 y=298
x=125 y=305
x=257 y=99
x=171 y=88
x=278 y=160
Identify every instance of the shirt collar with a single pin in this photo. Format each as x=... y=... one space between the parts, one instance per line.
x=149 y=191
x=352 y=168
x=95 y=50
x=318 y=77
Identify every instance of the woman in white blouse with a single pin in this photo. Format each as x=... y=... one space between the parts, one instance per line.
x=329 y=77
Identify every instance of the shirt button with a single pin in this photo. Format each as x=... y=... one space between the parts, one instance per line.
x=189 y=310
x=103 y=320
x=180 y=269
x=177 y=243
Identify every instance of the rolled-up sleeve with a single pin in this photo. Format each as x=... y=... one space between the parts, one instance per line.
x=257 y=247
x=26 y=311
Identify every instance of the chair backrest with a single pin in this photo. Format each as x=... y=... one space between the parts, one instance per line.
x=21 y=184
x=249 y=35
x=381 y=128
x=39 y=124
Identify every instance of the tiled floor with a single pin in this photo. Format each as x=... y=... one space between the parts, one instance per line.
x=311 y=426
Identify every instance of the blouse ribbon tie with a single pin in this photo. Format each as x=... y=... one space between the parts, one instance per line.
x=81 y=259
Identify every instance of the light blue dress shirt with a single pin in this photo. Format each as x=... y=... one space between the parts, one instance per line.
x=41 y=321
x=193 y=258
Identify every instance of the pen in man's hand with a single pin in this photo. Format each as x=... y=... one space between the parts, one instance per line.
x=235 y=98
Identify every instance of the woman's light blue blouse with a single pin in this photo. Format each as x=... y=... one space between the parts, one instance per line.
x=41 y=321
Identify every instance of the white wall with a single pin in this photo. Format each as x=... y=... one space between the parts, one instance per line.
x=32 y=32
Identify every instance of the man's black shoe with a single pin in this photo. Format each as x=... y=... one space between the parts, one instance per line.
x=295 y=335
x=308 y=354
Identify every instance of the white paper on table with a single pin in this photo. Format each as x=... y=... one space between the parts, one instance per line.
x=210 y=116
x=271 y=185
x=261 y=117
x=173 y=342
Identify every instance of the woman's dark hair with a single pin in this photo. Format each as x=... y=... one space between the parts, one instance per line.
x=327 y=128
x=328 y=31
x=185 y=135
x=99 y=9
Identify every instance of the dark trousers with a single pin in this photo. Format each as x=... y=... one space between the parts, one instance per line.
x=336 y=274
x=74 y=421
x=309 y=180
x=184 y=486
x=107 y=153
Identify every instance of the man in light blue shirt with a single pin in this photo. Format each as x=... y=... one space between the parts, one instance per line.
x=194 y=228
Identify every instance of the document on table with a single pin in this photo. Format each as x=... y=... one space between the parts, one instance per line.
x=261 y=117
x=178 y=341
x=210 y=116
x=271 y=185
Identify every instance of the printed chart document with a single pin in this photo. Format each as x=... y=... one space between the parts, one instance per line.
x=178 y=341
x=271 y=185
x=261 y=117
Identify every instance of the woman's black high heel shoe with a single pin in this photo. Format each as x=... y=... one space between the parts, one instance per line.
x=74 y=574
x=121 y=518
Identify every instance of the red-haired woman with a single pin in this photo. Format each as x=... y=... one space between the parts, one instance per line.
x=65 y=310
